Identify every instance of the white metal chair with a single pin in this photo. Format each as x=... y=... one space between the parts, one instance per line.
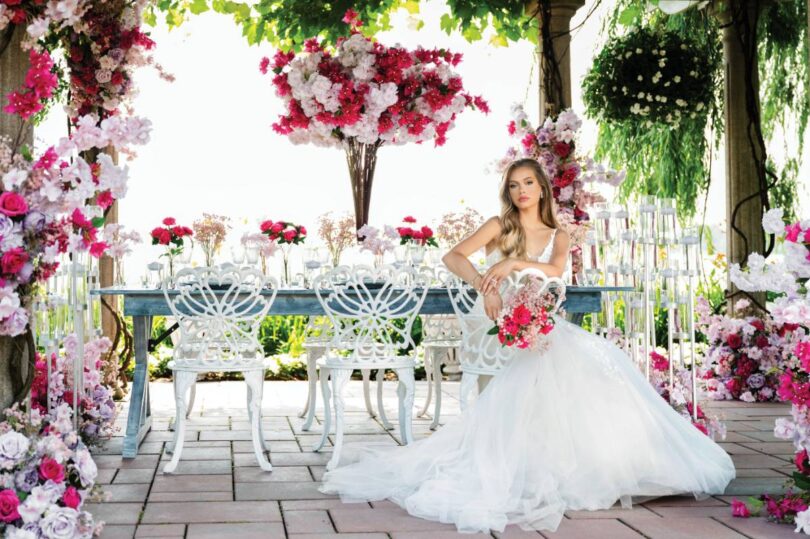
x=441 y=337
x=364 y=304
x=482 y=354
x=219 y=312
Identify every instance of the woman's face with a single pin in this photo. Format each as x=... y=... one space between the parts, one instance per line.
x=524 y=188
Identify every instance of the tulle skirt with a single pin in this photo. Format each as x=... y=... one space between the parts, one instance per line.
x=577 y=427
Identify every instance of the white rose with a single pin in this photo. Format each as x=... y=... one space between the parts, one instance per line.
x=773 y=221
x=60 y=523
x=13 y=446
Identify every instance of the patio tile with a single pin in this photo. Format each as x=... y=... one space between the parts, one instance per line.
x=381 y=520
x=115 y=513
x=117 y=532
x=279 y=473
x=759 y=528
x=756 y=461
x=683 y=501
x=439 y=535
x=603 y=529
x=307 y=522
x=200 y=467
x=117 y=461
x=754 y=486
x=515 y=532
x=264 y=530
x=134 y=476
x=160 y=530
x=280 y=491
x=638 y=511
x=202 y=453
x=127 y=492
x=211 y=512
x=193 y=483
x=338 y=536
x=300 y=459
x=105 y=476
x=326 y=503
x=681 y=528
x=192 y=496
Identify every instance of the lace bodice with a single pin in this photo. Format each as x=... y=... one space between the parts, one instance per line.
x=544 y=257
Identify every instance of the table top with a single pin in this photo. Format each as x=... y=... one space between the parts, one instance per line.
x=303 y=301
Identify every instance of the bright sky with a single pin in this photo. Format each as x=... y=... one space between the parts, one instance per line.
x=212 y=148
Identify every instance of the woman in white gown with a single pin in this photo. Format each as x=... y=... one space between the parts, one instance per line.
x=576 y=427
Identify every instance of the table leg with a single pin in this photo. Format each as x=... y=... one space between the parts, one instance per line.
x=139 y=420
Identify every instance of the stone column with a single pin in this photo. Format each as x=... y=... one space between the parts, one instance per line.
x=742 y=180
x=13 y=66
x=555 y=85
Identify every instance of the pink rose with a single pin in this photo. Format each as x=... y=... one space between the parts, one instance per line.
x=265 y=226
x=277 y=227
x=50 y=469
x=302 y=230
x=801 y=462
x=71 y=498
x=522 y=315
x=12 y=204
x=161 y=236
x=289 y=235
x=13 y=261
x=739 y=509
x=409 y=219
x=9 y=502
x=169 y=221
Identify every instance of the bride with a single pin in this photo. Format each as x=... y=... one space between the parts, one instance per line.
x=576 y=427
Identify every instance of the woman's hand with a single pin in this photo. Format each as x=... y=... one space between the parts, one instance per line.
x=497 y=273
x=493 y=305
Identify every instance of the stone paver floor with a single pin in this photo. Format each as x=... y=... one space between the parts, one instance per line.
x=219 y=491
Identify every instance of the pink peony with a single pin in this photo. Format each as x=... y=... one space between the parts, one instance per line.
x=289 y=235
x=13 y=204
x=9 y=502
x=50 y=469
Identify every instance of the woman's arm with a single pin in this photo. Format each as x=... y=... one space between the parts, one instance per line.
x=457 y=259
x=559 y=256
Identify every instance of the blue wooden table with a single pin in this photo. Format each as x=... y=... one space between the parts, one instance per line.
x=143 y=304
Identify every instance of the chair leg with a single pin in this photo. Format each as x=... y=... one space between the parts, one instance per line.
x=191 y=395
x=255 y=383
x=339 y=379
x=312 y=388
x=327 y=409
x=437 y=381
x=367 y=391
x=183 y=381
x=381 y=409
x=428 y=378
x=468 y=383
x=405 y=392
x=250 y=417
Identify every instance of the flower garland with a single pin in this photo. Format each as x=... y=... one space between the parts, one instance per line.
x=649 y=76
x=367 y=91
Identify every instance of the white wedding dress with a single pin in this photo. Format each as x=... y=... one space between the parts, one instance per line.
x=576 y=427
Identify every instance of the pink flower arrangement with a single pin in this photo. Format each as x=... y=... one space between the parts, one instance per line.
x=367 y=91
x=526 y=317
x=172 y=236
x=46 y=476
x=455 y=226
x=412 y=233
x=40 y=84
x=284 y=234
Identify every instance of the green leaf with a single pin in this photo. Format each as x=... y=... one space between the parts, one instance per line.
x=448 y=23
x=25 y=151
x=97 y=222
x=198 y=6
x=802 y=481
x=499 y=41
x=149 y=17
x=493 y=330
x=412 y=6
x=472 y=33
x=629 y=15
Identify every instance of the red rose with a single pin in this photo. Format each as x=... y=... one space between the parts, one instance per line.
x=169 y=221
x=71 y=498
x=562 y=149
x=9 y=502
x=759 y=324
x=289 y=235
x=13 y=261
x=427 y=233
x=734 y=341
x=802 y=462
x=265 y=226
x=762 y=341
x=161 y=236
x=733 y=387
x=302 y=230
x=12 y=204
x=277 y=227
x=417 y=235
x=50 y=469
x=409 y=219
x=179 y=231
x=522 y=315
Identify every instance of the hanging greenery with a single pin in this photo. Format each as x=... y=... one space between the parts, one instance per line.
x=650 y=76
x=655 y=90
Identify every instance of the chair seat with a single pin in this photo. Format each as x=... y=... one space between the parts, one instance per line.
x=332 y=361
x=262 y=364
x=447 y=343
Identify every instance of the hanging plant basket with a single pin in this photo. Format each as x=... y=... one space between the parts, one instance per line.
x=650 y=77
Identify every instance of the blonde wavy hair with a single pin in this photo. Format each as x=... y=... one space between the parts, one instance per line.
x=512 y=241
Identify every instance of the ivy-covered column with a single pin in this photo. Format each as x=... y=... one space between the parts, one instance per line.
x=554 y=53
x=13 y=67
x=744 y=154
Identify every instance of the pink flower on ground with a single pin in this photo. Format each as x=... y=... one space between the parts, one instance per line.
x=50 y=469
x=13 y=204
x=13 y=261
x=739 y=509
x=71 y=498
x=9 y=502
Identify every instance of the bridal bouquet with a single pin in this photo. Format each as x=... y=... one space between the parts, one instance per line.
x=526 y=318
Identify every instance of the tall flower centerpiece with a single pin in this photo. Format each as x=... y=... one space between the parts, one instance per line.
x=171 y=236
x=285 y=235
x=553 y=145
x=363 y=94
x=210 y=232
